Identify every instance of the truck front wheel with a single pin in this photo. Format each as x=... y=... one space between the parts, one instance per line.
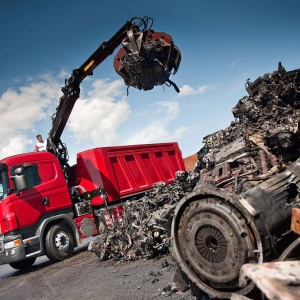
x=23 y=264
x=59 y=243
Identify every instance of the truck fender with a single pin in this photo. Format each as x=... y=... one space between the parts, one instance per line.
x=62 y=218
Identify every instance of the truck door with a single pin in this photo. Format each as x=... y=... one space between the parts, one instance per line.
x=58 y=196
x=30 y=203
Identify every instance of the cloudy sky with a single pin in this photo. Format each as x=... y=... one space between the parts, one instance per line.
x=222 y=42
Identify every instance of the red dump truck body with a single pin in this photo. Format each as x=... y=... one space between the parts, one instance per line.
x=41 y=214
x=127 y=170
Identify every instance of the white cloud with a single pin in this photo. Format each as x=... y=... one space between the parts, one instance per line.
x=14 y=145
x=63 y=74
x=98 y=116
x=187 y=90
x=95 y=120
x=170 y=108
x=153 y=133
x=156 y=132
x=178 y=132
x=21 y=109
x=233 y=63
x=25 y=109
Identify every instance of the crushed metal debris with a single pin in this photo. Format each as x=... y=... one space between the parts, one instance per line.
x=249 y=173
x=141 y=232
x=147 y=59
x=264 y=137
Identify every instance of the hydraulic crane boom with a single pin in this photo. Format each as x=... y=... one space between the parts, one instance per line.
x=133 y=37
x=71 y=90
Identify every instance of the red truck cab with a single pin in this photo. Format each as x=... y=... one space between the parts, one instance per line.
x=26 y=214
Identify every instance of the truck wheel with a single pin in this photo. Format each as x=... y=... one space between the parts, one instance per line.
x=59 y=243
x=23 y=264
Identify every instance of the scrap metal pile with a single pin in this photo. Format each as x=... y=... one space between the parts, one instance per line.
x=235 y=207
x=240 y=210
x=263 y=139
x=141 y=231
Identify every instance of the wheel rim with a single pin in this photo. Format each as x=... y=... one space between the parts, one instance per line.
x=62 y=241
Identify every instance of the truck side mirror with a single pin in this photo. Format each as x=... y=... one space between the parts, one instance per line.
x=19 y=179
x=19 y=171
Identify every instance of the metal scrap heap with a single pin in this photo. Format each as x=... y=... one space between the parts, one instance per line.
x=266 y=129
x=240 y=209
x=141 y=233
x=235 y=207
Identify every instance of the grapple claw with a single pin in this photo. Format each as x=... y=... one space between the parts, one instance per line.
x=147 y=59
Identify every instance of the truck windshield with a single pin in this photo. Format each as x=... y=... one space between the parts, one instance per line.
x=3 y=181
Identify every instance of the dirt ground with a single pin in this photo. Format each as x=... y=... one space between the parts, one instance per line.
x=84 y=276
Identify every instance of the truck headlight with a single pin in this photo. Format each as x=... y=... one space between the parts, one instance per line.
x=13 y=244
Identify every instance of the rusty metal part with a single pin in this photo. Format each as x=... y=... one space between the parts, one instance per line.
x=295 y=224
x=263 y=161
x=290 y=251
x=274 y=199
x=213 y=235
x=213 y=229
x=277 y=280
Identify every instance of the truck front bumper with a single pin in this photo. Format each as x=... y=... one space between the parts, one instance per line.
x=11 y=249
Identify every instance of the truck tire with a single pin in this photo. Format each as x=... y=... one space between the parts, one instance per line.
x=23 y=264
x=59 y=242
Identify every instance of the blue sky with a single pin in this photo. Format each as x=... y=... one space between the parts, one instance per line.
x=222 y=42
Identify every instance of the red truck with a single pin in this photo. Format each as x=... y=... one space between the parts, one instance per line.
x=48 y=207
x=41 y=214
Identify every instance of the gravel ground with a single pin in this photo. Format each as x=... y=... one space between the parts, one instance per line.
x=84 y=276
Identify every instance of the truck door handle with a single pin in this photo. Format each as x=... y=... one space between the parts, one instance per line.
x=45 y=201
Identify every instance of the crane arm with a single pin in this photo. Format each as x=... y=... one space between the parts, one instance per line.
x=145 y=60
x=71 y=90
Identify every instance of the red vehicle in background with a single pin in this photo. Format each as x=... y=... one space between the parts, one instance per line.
x=48 y=207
